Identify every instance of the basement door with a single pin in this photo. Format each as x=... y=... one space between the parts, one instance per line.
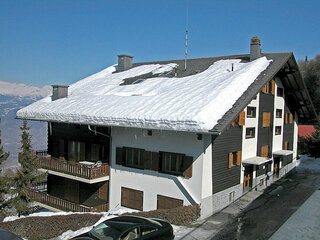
x=247 y=180
x=276 y=166
x=132 y=198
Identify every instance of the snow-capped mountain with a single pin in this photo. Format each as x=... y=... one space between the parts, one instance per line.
x=12 y=98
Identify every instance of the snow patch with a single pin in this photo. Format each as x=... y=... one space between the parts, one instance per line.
x=308 y=164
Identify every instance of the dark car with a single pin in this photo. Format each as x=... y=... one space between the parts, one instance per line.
x=129 y=228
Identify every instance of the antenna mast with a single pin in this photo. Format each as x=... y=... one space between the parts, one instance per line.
x=186 y=52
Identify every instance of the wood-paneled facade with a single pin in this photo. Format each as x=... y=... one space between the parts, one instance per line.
x=223 y=176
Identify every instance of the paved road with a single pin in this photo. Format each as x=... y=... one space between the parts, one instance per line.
x=265 y=215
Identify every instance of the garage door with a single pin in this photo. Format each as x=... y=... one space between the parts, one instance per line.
x=132 y=198
x=167 y=202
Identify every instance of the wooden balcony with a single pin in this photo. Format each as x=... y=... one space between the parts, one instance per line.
x=85 y=170
x=63 y=205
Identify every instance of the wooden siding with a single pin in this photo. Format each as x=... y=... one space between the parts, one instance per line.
x=265 y=136
x=76 y=192
x=61 y=133
x=288 y=129
x=229 y=141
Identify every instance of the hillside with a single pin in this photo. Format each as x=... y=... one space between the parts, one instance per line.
x=12 y=98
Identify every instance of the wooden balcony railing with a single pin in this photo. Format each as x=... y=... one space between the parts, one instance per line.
x=74 y=168
x=62 y=204
x=93 y=171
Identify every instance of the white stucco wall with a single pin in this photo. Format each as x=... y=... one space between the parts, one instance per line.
x=278 y=104
x=152 y=182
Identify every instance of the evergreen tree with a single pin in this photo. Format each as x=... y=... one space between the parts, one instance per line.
x=311 y=143
x=4 y=186
x=310 y=71
x=26 y=176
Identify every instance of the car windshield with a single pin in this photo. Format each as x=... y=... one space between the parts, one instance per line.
x=105 y=231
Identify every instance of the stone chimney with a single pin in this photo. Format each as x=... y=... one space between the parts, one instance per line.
x=124 y=62
x=59 y=91
x=255 y=48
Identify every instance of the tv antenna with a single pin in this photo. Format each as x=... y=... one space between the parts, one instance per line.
x=186 y=51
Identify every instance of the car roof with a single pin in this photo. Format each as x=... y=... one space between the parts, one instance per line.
x=133 y=221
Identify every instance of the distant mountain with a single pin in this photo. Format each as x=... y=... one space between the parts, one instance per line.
x=12 y=98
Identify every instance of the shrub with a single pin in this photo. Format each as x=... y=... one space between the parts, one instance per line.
x=179 y=216
x=36 y=228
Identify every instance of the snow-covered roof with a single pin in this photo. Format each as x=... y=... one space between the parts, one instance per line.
x=192 y=103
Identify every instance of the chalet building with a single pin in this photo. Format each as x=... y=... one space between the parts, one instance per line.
x=164 y=134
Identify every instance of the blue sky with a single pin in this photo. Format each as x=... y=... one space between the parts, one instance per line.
x=59 y=42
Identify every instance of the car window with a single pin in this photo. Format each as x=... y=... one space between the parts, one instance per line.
x=146 y=230
x=132 y=234
x=105 y=232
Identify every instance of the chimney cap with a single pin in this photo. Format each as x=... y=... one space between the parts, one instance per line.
x=59 y=86
x=255 y=41
x=125 y=55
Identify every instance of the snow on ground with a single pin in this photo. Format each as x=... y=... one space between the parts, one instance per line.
x=308 y=164
x=192 y=103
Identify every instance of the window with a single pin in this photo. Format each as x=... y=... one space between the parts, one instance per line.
x=286 y=145
x=266 y=119
x=234 y=159
x=168 y=202
x=269 y=87
x=251 y=112
x=76 y=151
x=172 y=163
x=264 y=151
x=280 y=92
x=286 y=120
x=132 y=234
x=278 y=130
x=131 y=198
x=134 y=157
x=250 y=132
x=279 y=113
x=146 y=230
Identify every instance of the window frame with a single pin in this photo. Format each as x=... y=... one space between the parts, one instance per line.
x=133 y=161
x=253 y=133
x=253 y=111
x=278 y=110
x=277 y=131
x=281 y=92
x=178 y=165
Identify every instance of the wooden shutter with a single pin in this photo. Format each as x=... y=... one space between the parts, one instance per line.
x=264 y=151
x=273 y=85
x=266 y=119
x=286 y=145
x=132 y=198
x=187 y=166
x=230 y=159
x=167 y=202
x=147 y=159
x=119 y=156
x=238 y=158
x=264 y=89
x=291 y=118
x=286 y=118
x=242 y=118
